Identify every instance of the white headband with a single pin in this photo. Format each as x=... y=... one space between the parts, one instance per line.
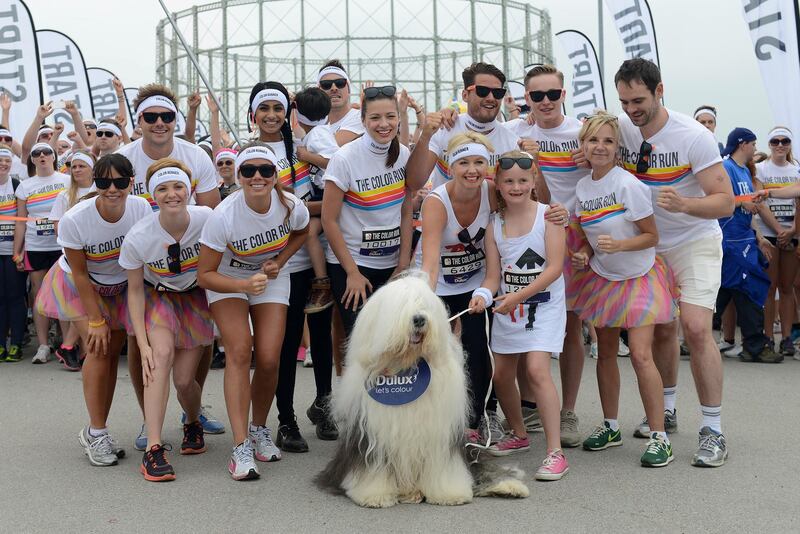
x=332 y=70
x=6 y=153
x=225 y=154
x=5 y=132
x=302 y=119
x=703 y=111
x=168 y=174
x=156 y=101
x=785 y=132
x=82 y=157
x=470 y=149
x=254 y=152
x=91 y=121
x=41 y=146
x=45 y=130
x=269 y=94
x=108 y=127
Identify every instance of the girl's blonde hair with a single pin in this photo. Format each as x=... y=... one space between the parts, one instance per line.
x=789 y=156
x=72 y=194
x=466 y=138
x=534 y=170
x=596 y=121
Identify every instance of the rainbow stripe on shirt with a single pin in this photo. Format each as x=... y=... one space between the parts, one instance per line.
x=302 y=175
x=103 y=257
x=267 y=248
x=591 y=217
x=8 y=207
x=187 y=266
x=44 y=199
x=377 y=199
x=556 y=162
x=660 y=176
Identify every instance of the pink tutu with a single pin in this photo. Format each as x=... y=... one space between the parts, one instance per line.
x=646 y=300
x=575 y=241
x=58 y=298
x=185 y=314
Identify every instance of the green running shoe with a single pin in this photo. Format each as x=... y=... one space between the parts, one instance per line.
x=14 y=354
x=602 y=438
x=658 y=452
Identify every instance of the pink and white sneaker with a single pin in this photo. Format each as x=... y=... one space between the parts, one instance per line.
x=472 y=436
x=509 y=445
x=241 y=465
x=554 y=466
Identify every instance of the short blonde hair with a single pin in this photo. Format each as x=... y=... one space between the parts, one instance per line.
x=466 y=138
x=596 y=121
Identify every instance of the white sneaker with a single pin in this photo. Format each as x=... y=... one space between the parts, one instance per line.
x=241 y=464
x=732 y=352
x=99 y=450
x=308 y=362
x=623 y=350
x=265 y=449
x=42 y=354
x=593 y=350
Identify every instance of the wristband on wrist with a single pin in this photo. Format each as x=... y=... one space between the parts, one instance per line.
x=97 y=324
x=485 y=294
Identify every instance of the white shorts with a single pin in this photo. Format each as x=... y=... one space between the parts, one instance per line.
x=697 y=266
x=277 y=292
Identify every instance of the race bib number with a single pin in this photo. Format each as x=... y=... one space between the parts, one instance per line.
x=45 y=227
x=379 y=242
x=517 y=280
x=784 y=213
x=7 y=232
x=243 y=266
x=402 y=388
x=459 y=267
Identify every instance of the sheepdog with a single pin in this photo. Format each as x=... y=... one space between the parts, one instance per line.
x=402 y=408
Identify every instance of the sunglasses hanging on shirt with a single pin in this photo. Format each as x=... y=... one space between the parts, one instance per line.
x=174 y=258
x=643 y=164
x=469 y=242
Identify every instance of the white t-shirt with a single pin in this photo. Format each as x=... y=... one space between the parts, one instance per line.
x=8 y=208
x=610 y=206
x=204 y=175
x=351 y=122
x=373 y=199
x=60 y=205
x=555 y=158
x=301 y=188
x=247 y=239
x=82 y=228
x=40 y=195
x=682 y=148
x=18 y=169
x=146 y=246
x=775 y=177
x=516 y=126
x=502 y=139
x=320 y=141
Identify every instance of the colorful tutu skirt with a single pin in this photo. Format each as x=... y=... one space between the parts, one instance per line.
x=58 y=298
x=576 y=240
x=646 y=300
x=185 y=314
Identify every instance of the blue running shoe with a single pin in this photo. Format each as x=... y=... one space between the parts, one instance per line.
x=210 y=423
x=141 y=440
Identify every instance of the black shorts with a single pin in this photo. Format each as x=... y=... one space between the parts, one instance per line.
x=42 y=261
x=774 y=241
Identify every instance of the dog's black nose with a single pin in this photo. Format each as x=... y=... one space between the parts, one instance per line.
x=419 y=321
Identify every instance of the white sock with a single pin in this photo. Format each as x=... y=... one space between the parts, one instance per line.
x=97 y=432
x=712 y=417
x=613 y=424
x=660 y=435
x=253 y=427
x=670 y=396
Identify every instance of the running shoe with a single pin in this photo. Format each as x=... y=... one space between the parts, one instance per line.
x=241 y=464
x=725 y=345
x=193 y=442
x=265 y=449
x=2 y=353
x=98 y=449
x=494 y=427
x=593 y=350
x=68 y=358
x=473 y=436
x=767 y=355
x=42 y=354
x=316 y=412
x=530 y=418
x=140 y=443
x=554 y=466
x=658 y=452
x=670 y=425
x=211 y=425
x=289 y=438
x=623 y=350
x=118 y=451
x=155 y=467
x=218 y=359
x=14 y=354
x=509 y=445
x=321 y=297
x=732 y=352
x=643 y=430
x=327 y=429
x=712 y=451
x=308 y=362
x=570 y=437
x=602 y=437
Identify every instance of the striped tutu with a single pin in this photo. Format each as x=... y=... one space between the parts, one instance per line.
x=58 y=298
x=646 y=300
x=575 y=241
x=185 y=314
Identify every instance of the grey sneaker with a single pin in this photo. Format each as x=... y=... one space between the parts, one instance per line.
x=643 y=430
x=569 y=430
x=670 y=425
x=99 y=450
x=530 y=418
x=712 y=451
x=265 y=449
x=495 y=427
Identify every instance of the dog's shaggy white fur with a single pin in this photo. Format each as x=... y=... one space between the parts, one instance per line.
x=415 y=451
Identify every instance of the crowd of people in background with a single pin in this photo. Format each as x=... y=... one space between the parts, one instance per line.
x=636 y=235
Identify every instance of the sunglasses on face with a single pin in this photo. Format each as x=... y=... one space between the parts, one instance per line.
x=5 y=139
x=265 y=171
x=551 y=94
x=150 y=117
x=373 y=92
x=784 y=142
x=643 y=164
x=120 y=183
x=326 y=85
x=482 y=91
x=41 y=151
x=225 y=163
x=174 y=258
x=469 y=242
x=105 y=134
x=522 y=163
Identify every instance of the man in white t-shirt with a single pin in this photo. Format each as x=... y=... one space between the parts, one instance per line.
x=679 y=159
x=344 y=121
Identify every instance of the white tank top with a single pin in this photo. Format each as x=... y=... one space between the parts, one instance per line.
x=462 y=264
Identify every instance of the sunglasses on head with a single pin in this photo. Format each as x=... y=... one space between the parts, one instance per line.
x=326 y=85
x=482 y=91
x=6 y=139
x=120 y=183
x=643 y=164
x=469 y=242
x=373 y=92
x=225 y=163
x=265 y=171
x=551 y=94
x=41 y=151
x=105 y=133
x=90 y=126
x=522 y=163
x=174 y=258
x=785 y=142
x=150 y=117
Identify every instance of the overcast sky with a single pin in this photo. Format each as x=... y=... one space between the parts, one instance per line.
x=704 y=48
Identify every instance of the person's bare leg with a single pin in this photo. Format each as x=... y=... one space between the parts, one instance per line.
x=705 y=360
x=267 y=320
x=571 y=362
x=640 y=341
x=156 y=393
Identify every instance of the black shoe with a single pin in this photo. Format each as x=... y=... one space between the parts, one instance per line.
x=326 y=429
x=69 y=358
x=218 y=360
x=289 y=438
x=316 y=412
x=193 y=441
x=155 y=466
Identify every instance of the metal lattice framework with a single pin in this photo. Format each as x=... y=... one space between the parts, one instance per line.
x=419 y=45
